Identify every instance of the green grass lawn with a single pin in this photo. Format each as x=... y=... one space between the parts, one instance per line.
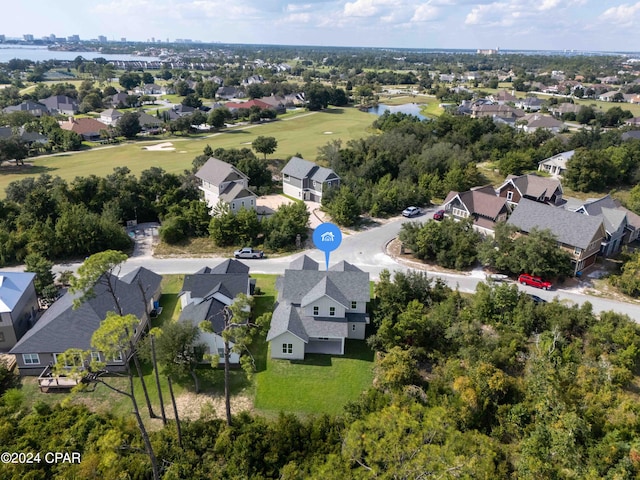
x=319 y=384
x=302 y=133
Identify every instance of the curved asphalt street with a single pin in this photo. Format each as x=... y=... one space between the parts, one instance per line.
x=366 y=250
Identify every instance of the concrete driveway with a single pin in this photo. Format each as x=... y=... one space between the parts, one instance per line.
x=268 y=204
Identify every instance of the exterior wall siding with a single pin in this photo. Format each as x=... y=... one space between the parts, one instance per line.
x=292 y=190
x=323 y=305
x=286 y=339
x=356 y=330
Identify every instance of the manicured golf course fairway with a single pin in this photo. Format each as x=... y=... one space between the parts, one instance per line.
x=300 y=133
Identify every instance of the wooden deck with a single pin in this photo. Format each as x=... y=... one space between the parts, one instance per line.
x=55 y=383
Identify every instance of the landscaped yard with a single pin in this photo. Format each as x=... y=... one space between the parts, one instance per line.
x=319 y=384
x=301 y=133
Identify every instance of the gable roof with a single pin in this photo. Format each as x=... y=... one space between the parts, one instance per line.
x=235 y=190
x=210 y=309
x=216 y=172
x=83 y=126
x=533 y=185
x=324 y=287
x=285 y=318
x=482 y=201
x=230 y=265
x=351 y=285
x=204 y=285
x=297 y=167
x=559 y=159
x=606 y=207
x=12 y=287
x=304 y=263
x=62 y=327
x=570 y=228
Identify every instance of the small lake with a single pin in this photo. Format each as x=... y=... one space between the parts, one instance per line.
x=409 y=108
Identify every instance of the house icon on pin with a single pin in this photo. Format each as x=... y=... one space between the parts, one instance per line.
x=327 y=237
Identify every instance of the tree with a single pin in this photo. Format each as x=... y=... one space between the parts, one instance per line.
x=129 y=125
x=343 y=208
x=192 y=100
x=129 y=80
x=13 y=148
x=178 y=350
x=316 y=96
x=285 y=225
x=44 y=281
x=218 y=116
x=629 y=279
x=147 y=78
x=265 y=145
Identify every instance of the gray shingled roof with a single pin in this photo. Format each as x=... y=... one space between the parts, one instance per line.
x=571 y=228
x=62 y=327
x=300 y=168
x=234 y=191
x=202 y=285
x=286 y=318
x=303 y=263
x=607 y=208
x=534 y=185
x=298 y=283
x=216 y=171
x=343 y=266
x=230 y=265
x=209 y=309
x=325 y=327
x=325 y=287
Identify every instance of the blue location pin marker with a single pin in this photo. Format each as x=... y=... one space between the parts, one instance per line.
x=327 y=237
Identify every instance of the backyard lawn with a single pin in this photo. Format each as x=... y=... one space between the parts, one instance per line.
x=319 y=384
x=301 y=133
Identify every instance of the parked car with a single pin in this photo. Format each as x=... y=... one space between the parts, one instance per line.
x=532 y=281
x=248 y=252
x=537 y=300
x=439 y=215
x=411 y=212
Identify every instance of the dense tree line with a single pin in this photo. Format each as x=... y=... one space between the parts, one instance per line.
x=483 y=386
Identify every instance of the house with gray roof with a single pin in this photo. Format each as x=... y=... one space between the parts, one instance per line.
x=557 y=164
x=220 y=181
x=533 y=187
x=204 y=297
x=34 y=108
x=18 y=307
x=614 y=218
x=62 y=326
x=580 y=235
x=306 y=180
x=60 y=104
x=317 y=310
x=480 y=204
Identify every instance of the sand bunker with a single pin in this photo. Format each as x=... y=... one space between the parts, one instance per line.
x=327 y=133
x=167 y=146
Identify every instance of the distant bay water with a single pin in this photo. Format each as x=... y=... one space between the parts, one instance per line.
x=41 y=54
x=408 y=108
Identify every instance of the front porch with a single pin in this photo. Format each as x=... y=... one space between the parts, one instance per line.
x=327 y=346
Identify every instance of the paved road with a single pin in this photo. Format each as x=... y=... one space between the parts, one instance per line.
x=367 y=251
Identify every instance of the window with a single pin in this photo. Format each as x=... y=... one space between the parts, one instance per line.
x=458 y=212
x=353 y=327
x=332 y=311
x=30 y=358
x=287 y=348
x=509 y=196
x=69 y=360
x=95 y=356
x=221 y=351
x=286 y=177
x=117 y=358
x=354 y=305
x=316 y=311
x=1 y=336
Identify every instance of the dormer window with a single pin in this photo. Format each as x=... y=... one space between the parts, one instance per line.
x=509 y=195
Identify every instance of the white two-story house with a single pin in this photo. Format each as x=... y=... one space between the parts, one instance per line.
x=318 y=310
x=220 y=181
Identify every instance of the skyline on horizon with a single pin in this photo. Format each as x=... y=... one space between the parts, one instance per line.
x=581 y=25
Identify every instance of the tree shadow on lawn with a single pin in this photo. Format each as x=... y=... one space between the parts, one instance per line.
x=333 y=111
x=27 y=169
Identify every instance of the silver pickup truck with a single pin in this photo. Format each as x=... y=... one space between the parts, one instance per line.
x=248 y=252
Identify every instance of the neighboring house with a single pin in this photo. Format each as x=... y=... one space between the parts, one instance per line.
x=121 y=99
x=580 y=235
x=182 y=110
x=247 y=105
x=88 y=128
x=18 y=307
x=149 y=123
x=634 y=122
x=533 y=122
x=204 y=296
x=317 y=310
x=110 y=116
x=276 y=102
x=609 y=96
x=532 y=187
x=223 y=182
x=229 y=93
x=616 y=224
x=481 y=204
x=532 y=104
x=503 y=97
x=631 y=135
x=565 y=107
x=27 y=137
x=149 y=89
x=253 y=80
x=496 y=110
x=61 y=104
x=306 y=180
x=34 y=108
x=556 y=165
x=62 y=326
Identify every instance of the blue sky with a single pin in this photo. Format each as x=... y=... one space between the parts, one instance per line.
x=598 y=25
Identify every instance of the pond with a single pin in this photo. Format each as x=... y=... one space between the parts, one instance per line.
x=409 y=108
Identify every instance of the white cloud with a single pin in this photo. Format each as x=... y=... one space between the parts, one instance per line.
x=425 y=13
x=297 y=18
x=361 y=8
x=622 y=15
x=291 y=7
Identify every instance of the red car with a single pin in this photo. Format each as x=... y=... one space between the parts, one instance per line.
x=439 y=215
x=532 y=281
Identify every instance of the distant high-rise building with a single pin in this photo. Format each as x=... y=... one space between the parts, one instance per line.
x=73 y=38
x=28 y=37
x=102 y=39
x=2 y=38
x=123 y=39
